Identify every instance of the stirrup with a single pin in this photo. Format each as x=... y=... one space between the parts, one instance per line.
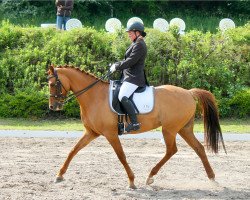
x=132 y=127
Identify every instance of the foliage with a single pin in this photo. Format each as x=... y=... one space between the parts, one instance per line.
x=71 y=109
x=240 y=104
x=215 y=62
x=24 y=104
x=34 y=105
x=199 y=15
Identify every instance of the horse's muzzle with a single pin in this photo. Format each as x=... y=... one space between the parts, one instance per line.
x=57 y=106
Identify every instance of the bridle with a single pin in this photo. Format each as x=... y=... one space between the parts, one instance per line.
x=63 y=99
x=58 y=86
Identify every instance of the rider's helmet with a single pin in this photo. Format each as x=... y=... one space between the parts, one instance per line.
x=136 y=26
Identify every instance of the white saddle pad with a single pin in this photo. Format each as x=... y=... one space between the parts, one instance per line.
x=144 y=101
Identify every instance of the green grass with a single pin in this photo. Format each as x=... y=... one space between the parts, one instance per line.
x=227 y=125
x=29 y=124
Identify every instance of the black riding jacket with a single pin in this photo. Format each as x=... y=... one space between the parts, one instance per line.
x=133 y=65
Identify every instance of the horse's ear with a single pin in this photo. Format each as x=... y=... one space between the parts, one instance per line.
x=51 y=69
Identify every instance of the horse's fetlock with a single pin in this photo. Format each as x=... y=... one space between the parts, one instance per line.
x=211 y=176
x=153 y=172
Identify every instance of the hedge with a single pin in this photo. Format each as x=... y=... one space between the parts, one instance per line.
x=215 y=62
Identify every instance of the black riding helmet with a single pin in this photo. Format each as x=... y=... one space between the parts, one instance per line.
x=136 y=26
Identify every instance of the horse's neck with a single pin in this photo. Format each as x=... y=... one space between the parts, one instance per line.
x=80 y=80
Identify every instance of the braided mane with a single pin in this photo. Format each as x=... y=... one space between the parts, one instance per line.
x=80 y=70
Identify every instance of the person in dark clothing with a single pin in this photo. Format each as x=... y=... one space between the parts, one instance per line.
x=132 y=68
x=64 y=10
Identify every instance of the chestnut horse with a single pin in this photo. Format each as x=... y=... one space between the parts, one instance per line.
x=174 y=110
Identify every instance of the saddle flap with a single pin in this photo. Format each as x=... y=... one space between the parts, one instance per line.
x=114 y=92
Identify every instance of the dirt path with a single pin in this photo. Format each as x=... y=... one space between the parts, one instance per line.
x=28 y=167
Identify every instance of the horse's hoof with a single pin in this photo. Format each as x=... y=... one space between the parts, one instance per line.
x=214 y=183
x=149 y=181
x=59 y=179
x=133 y=187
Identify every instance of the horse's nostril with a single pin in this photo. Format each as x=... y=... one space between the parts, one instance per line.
x=51 y=107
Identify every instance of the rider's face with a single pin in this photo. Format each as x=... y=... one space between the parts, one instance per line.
x=132 y=35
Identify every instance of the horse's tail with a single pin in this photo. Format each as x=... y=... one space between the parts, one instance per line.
x=212 y=129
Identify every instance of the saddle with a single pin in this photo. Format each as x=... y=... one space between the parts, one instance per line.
x=142 y=98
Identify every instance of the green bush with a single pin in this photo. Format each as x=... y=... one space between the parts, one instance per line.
x=34 y=105
x=215 y=62
x=72 y=109
x=240 y=104
x=28 y=105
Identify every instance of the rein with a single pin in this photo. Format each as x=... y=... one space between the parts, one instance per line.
x=59 y=84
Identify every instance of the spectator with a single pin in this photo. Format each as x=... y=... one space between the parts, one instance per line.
x=64 y=10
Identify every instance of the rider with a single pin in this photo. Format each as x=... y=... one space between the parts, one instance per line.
x=133 y=75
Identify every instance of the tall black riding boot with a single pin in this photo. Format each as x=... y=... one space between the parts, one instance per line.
x=129 y=108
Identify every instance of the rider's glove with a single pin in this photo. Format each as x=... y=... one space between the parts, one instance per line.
x=113 y=67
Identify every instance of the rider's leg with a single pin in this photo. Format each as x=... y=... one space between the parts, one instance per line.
x=126 y=91
x=129 y=107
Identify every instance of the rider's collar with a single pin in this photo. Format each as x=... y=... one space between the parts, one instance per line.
x=137 y=38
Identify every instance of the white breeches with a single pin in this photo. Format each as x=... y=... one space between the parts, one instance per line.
x=126 y=90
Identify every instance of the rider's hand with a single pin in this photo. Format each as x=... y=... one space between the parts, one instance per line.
x=112 y=68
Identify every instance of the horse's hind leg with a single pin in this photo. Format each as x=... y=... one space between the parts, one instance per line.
x=188 y=135
x=85 y=140
x=171 y=149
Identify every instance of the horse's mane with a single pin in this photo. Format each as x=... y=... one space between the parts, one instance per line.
x=80 y=70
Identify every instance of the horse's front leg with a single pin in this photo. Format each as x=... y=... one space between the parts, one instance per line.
x=116 y=144
x=84 y=141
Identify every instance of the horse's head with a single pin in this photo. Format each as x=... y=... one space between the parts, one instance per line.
x=58 y=88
